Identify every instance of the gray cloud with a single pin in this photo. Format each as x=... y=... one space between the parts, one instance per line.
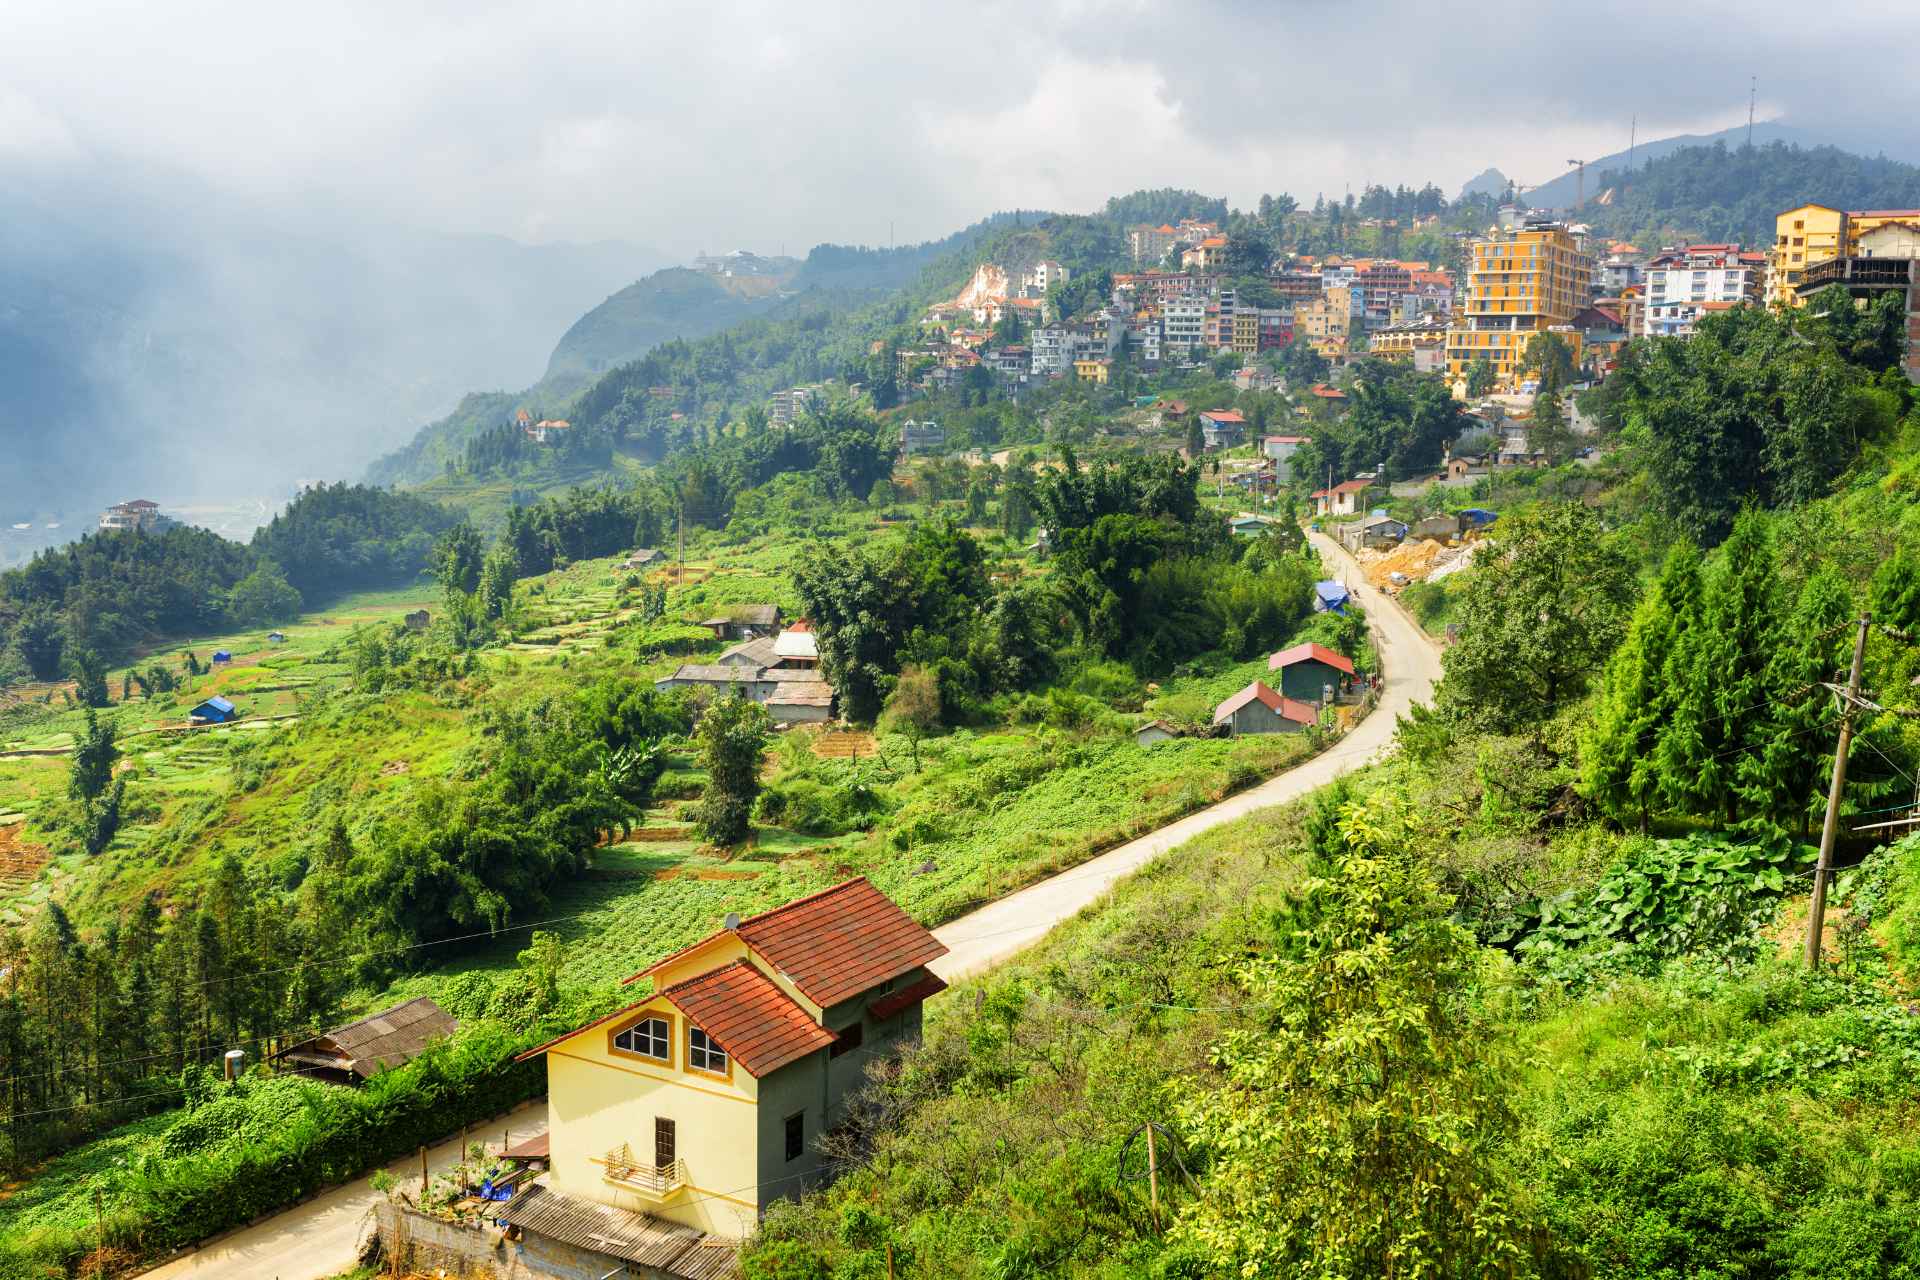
x=704 y=126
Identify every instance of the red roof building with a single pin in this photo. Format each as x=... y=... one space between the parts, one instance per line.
x=743 y=1054
x=1258 y=709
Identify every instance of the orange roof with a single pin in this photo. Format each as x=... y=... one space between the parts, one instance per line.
x=1214 y=242
x=833 y=944
x=1309 y=651
x=1326 y=392
x=752 y=1018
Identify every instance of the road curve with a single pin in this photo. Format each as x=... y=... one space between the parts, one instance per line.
x=1411 y=660
x=317 y=1239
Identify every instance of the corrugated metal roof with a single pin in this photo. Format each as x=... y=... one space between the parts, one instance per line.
x=1304 y=652
x=802 y=693
x=385 y=1039
x=637 y=1237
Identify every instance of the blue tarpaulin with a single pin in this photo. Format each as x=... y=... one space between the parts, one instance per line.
x=1330 y=596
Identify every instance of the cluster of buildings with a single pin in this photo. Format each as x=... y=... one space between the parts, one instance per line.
x=1862 y=253
x=778 y=667
x=544 y=431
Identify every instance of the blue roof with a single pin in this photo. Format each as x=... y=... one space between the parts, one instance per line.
x=218 y=703
x=1330 y=590
x=221 y=655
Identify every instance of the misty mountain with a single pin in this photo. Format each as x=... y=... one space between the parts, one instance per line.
x=160 y=338
x=1564 y=191
x=1488 y=182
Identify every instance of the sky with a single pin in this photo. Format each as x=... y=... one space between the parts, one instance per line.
x=774 y=126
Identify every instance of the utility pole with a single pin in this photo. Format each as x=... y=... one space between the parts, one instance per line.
x=1753 y=89
x=1581 y=200
x=1153 y=1177
x=1633 y=136
x=1823 y=870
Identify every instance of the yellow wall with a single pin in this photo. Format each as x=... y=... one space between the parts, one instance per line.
x=724 y=948
x=1519 y=283
x=598 y=1099
x=1801 y=237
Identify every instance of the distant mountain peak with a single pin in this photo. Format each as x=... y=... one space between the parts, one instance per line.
x=1489 y=182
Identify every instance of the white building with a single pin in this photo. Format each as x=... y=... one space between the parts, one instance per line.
x=141 y=513
x=1685 y=284
x=1045 y=275
x=1184 y=322
x=1052 y=350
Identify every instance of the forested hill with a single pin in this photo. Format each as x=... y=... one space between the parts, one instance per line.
x=1733 y=193
x=682 y=306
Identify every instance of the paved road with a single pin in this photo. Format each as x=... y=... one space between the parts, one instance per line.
x=1412 y=663
x=319 y=1238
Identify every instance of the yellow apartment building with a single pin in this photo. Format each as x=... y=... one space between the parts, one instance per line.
x=1326 y=323
x=1520 y=282
x=1095 y=371
x=703 y=1102
x=1246 y=333
x=1814 y=233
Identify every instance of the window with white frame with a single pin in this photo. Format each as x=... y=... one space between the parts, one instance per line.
x=650 y=1038
x=703 y=1053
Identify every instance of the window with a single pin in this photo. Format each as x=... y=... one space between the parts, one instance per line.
x=703 y=1054
x=847 y=1040
x=796 y=1136
x=665 y=1149
x=649 y=1038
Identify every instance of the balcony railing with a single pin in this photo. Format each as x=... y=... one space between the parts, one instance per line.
x=1865 y=273
x=656 y=1182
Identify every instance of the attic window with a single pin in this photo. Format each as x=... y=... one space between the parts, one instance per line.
x=650 y=1038
x=704 y=1054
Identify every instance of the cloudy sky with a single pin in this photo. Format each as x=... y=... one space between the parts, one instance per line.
x=695 y=126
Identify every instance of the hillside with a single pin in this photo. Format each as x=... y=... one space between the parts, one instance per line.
x=674 y=303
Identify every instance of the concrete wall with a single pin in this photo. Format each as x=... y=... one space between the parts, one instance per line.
x=427 y=1244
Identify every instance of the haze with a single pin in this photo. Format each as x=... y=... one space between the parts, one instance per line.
x=244 y=218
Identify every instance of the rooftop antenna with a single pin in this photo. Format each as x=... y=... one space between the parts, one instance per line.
x=1753 y=89
x=1633 y=136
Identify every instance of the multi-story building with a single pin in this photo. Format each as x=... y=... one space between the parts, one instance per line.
x=1095 y=371
x=1209 y=255
x=1422 y=343
x=788 y=405
x=1052 y=350
x=1245 y=333
x=1295 y=284
x=142 y=514
x=1885 y=259
x=1684 y=284
x=917 y=439
x=1814 y=233
x=1522 y=282
x=1045 y=275
x=1183 y=322
x=1147 y=338
x=1328 y=321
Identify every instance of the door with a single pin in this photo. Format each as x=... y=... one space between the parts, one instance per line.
x=663 y=1143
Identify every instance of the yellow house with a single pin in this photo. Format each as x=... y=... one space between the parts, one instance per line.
x=1529 y=280
x=1092 y=370
x=702 y=1103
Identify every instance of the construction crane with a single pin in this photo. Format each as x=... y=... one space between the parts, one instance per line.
x=1582 y=200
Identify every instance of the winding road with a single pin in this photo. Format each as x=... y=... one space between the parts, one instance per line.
x=317 y=1239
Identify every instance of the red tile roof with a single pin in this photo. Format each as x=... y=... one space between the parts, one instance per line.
x=1326 y=392
x=906 y=997
x=1345 y=486
x=1288 y=708
x=1221 y=415
x=832 y=944
x=841 y=941
x=1306 y=651
x=749 y=1016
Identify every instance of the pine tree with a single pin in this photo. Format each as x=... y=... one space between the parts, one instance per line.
x=1785 y=783
x=1896 y=592
x=1621 y=768
x=1719 y=678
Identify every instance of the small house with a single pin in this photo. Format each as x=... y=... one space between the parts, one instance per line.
x=1330 y=596
x=750 y=656
x=1478 y=517
x=800 y=702
x=352 y=1054
x=1343 y=499
x=729 y=1070
x=1222 y=429
x=222 y=655
x=745 y=622
x=1462 y=466
x=1249 y=526
x=643 y=557
x=215 y=710
x=276 y=637
x=418 y=620
x=796 y=646
x=1309 y=671
x=1437 y=528
x=1281 y=449
x=1258 y=709
x=1382 y=531
x=1154 y=731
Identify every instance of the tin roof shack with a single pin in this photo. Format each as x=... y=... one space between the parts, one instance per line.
x=643 y=557
x=1308 y=671
x=215 y=710
x=1330 y=596
x=1440 y=528
x=1343 y=499
x=744 y=622
x=1375 y=531
x=353 y=1053
x=801 y=702
x=1258 y=709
